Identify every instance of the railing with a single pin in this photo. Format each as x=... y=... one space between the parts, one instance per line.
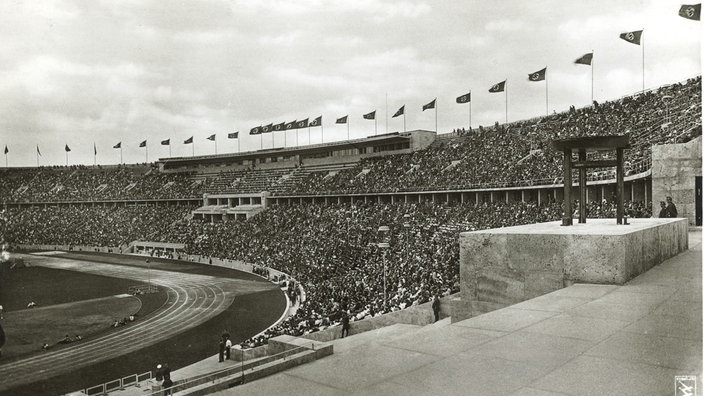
x=118 y=384
x=240 y=369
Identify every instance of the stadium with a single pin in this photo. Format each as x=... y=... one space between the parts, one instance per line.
x=377 y=262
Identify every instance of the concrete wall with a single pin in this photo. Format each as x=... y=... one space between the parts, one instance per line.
x=674 y=168
x=420 y=315
x=502 y=267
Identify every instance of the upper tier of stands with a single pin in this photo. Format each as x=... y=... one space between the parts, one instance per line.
x=518 y=153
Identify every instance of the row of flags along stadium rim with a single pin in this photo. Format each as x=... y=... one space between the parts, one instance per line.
x=687 y=11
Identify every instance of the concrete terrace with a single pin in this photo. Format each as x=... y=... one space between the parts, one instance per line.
x=581 y=340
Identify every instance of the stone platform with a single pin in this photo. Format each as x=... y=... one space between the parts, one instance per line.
x=504 y=266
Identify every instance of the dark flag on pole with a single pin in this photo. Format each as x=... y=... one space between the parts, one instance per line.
x=255 y=130
x=211 y=137
x=290 y=125
x=318 y=121
x=233 y=135
x=499 y=87
x=268 y=128
x=399 y=111
x=39 y=153
x=430 y=105
x=302 y=124
x=7 y=151
x=95 y=149
x=537 y=76
x=166 y=142
x=466 y=98
x=279 y=127
x=632 y=37
x=585 y=59
x=370 y=116
x=341 y=120
x=188 y=141
x=692 y=11
x=143 y=144
x=67 y=149
x=118 y=145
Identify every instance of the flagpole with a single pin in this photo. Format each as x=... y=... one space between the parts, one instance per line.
x=348 y=129
x=592 y=76
x=506 y=99
x=169 y=148
x=470 y=109
x=386 y=112
x=95 y=155
x=309 y=135
x=37 y=156
x=322 y=131
x=64 y=150
x=146 y=153
x=436 y=116
x=193 y=148
x=120 y=153
x=642 y=56
x=216 y=145
x=404 y=120
x=546 y=91
x=238 y=143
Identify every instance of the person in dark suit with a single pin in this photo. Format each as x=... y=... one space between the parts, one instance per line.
x=671 y=208
x=663 y=210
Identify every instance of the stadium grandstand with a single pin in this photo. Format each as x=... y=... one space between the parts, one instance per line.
x=426 y=188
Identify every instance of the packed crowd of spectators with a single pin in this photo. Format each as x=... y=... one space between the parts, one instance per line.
x=90 y=225
x=88 y=183
x=521 y=152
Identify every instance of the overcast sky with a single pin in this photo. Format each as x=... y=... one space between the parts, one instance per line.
x=103 y=72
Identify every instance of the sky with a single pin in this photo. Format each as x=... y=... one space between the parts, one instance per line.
x=90 y=74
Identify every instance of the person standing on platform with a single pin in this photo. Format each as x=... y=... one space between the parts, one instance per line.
x=671 y=208
x=663 y=210
x=221 y=353
x=228 y=348
x=436 y=307
x=345 y=324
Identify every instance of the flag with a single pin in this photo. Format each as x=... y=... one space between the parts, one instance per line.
x=466 y=98
x=211 y=137
x=302 y=124
x=67 y=149
x=318 y=121
x=279 y=127
x=255 y=130
x=7 y=151
x=267 y=128
x=692 y=11
x=430 y=105
x=143 y=144
x=585 y=59
x=39 y=153
x=188 y=141
x=95 y=149
x=341 y=120
x=233 y=135
x=166 y=142
x=632 y=37
x=290 y=125
x=538 y=76
x=499 y=87
x=399 y=112
x=370 y=116
x=118 y=145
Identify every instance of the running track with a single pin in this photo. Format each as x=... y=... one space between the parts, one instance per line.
x=192 y=299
